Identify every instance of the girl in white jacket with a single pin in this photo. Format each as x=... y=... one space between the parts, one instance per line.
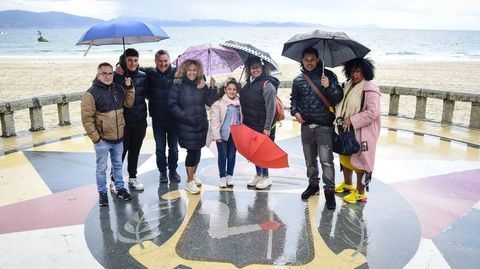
x=225 y=112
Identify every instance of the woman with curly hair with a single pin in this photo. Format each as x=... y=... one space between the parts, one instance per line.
x=186 y=103
x=359 y=109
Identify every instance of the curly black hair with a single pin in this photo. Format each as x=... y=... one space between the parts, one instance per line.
x=365 y=65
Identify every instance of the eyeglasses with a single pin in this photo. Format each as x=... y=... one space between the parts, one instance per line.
x=105 y=74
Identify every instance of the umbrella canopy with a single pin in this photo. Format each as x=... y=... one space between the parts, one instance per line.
x=121 y=32
x=335 y=48
x=215 y=59
x=247 y=51
x=258 y=148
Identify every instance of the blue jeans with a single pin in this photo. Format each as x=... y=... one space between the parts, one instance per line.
x=226 y=157
x=163 y=132
x=102 y=149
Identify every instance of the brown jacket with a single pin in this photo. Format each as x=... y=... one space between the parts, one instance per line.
x=102 y=111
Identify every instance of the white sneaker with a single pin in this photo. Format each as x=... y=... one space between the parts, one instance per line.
x=135 y=183
x=112 y=187
x=229 y=180
x=223 y=182
x=254 y=181
x=192 y=188
x=197 y=181
x=264 y=183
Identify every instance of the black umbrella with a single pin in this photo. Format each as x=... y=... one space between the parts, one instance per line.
x=247 y=51
x=335 y=48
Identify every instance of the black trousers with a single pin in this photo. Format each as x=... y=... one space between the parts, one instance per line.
x=132 y=142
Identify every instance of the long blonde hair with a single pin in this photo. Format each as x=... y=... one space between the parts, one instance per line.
x=182 y=70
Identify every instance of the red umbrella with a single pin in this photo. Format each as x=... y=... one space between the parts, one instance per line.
x=258 y=148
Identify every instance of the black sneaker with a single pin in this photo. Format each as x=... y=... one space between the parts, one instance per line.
x=123 y=193
x=312 y=189
x=103 y=199
x=329 y=198
x=163 y=177
x=174 y=176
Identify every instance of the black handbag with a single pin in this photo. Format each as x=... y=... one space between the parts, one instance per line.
x=345 y=143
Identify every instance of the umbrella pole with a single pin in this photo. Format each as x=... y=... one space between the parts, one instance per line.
x=125 y=57
x=88 y=49
x=323 y=60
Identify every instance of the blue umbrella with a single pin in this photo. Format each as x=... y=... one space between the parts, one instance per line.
x=121 y=32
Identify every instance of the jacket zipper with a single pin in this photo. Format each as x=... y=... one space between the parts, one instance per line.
x=114 y=109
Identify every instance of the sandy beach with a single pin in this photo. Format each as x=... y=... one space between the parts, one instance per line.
x=24 y=78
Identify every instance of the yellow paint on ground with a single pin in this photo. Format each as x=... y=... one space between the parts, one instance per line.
x=19 y=181
x=165 y=256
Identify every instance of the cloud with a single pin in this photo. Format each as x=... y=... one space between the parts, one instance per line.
x=428 y=14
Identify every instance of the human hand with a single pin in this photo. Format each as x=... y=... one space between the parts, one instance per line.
x=299 y=118
x=346 y=124
x=128 y=82
x=201 y=84
x=266 y=132
x=325 y=82
x=119 y=70
x=218 y=140
x=212 y=82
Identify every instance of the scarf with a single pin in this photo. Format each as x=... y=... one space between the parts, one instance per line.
x=234 y=102
x=352 y=100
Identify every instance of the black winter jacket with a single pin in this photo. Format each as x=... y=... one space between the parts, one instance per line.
x=160 y=84
x=186 y=104
x=304 y=100
x=253 y=102
x=140 y=81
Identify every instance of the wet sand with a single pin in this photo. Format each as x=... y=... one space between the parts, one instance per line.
x=24 y=78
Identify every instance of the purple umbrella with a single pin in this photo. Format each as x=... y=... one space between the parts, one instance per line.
x=215 y=59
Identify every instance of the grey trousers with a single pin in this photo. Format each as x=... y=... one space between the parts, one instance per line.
x=317 y=141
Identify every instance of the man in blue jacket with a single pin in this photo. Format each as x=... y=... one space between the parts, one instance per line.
x=135 y=117
x=161 y=80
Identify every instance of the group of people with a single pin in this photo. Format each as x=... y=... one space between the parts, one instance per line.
x=114 y=115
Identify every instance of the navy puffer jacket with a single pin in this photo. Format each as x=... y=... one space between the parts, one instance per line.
x=160 y=84
x=186 y=104
x=304 y=100
x=140 y=81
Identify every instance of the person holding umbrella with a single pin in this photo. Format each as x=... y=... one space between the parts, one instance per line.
x=257 y=99
x=135 y=117
x=102 y=109
x=186 y=103
x=360 y=109
x=314 y=111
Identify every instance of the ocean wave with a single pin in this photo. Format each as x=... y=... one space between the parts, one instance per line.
x=403 y=53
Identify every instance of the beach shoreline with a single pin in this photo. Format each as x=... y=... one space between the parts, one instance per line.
x=30 y=77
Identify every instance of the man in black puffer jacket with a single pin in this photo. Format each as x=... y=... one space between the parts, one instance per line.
x=317 y=121
x=161 y=80
x=135 y=117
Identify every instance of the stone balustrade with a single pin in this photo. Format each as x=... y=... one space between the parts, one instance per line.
x=62 y=101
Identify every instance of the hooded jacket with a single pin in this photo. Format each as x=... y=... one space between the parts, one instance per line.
x=138 y=112
x=102 y=111
x=305 y=100
x=186 y=104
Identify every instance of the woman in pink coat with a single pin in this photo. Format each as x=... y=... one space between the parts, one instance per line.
x=359 y=109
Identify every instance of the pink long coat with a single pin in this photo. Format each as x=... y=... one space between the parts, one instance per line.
x=367 y=128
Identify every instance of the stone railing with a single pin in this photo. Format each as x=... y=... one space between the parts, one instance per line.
x=35 y=105
x=62 y=101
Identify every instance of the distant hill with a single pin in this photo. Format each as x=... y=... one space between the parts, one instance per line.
x=28 y=19
x=219 y=23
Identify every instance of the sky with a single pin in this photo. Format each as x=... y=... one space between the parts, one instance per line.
x=405 y=14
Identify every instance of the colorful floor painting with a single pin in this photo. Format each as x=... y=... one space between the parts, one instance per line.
x=423 y=211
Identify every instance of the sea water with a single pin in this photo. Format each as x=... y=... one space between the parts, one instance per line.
x=384 y=43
